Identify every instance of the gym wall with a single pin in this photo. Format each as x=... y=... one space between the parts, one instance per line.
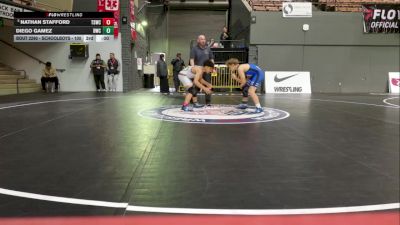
x=340 y=57
x=130 y=51
x=172 y=31
x=77 y=75
x=239 y=26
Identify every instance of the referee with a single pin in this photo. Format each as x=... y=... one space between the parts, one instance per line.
x=198 y=55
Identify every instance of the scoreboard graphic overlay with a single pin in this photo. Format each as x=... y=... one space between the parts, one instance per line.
x=76 y=27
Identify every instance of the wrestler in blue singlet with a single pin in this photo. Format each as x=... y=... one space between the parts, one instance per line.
x=255 y=76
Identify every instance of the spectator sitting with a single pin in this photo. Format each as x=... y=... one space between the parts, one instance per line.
x=49 y=75
x=216 y=45
x=211 y=43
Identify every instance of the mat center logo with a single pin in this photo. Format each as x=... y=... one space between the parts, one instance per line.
x=216 y=114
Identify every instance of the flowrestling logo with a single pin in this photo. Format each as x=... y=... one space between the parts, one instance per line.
x=216 y=114
x=381 y=18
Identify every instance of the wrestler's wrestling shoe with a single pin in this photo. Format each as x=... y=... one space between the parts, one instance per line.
x=186 y=108
x=197 y=105
x=259 y=110
x=242 y=106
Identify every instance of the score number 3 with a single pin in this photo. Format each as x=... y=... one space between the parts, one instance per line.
x=112 y=5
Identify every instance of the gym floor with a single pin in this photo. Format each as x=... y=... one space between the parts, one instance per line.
x=57 y=151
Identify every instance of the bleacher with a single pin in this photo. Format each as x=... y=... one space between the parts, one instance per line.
x=36 y=5
x=350 y=5
x=323 y=5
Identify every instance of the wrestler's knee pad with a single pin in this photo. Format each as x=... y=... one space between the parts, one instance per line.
x=245 y=91
x=193 y=90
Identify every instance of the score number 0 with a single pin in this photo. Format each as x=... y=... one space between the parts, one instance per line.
x=108 y=22
x=108 y=26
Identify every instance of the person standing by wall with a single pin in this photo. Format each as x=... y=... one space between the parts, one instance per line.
x=200 y=54
x=225 y=37
x=178 y=65
x=98 y=68
x=112 y=72
x=162 y=73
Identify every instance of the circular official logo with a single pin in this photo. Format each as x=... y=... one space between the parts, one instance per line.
x=216 y=114
x=288 y=9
